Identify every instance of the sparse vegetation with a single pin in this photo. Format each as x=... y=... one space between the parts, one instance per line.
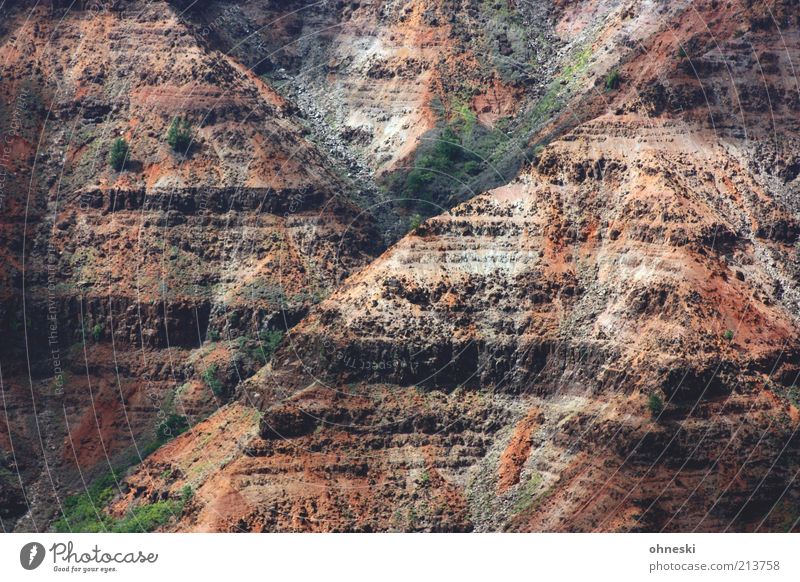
x=414 y=222
x=613 y=80
x=425 y=479
x=270 y=340
x=118 y=155
x=728 y=335
x=473 y=168
x=147 y=517
x=655 y=405
x=439 y=160
x=187 y=493
x=210 y=378
x=413 y=518
x=790 y=393
x=443 y=164
x=530 y=494
x=85 y=512
x=97 y=332
x=172 y=426
x=263 y=349
x=179 y=135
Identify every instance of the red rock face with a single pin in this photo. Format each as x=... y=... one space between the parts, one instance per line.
x=112 y=280
x=606 y=342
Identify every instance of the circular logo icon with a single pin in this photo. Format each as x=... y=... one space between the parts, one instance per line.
x=31 y=555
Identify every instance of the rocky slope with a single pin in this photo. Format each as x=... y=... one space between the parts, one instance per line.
x=380 y=86
x=492 y=370
x=607 y=341
x=112 y=280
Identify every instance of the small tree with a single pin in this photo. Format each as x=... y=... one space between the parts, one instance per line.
x=118 y=154
x=728 y=335
x=414 y=222
x=179 y=135
x=655 y=405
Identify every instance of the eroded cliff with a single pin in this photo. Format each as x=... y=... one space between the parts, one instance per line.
x=606 y=340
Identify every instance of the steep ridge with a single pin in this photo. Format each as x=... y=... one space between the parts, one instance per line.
x=518 y=322
x=223 y=246
x=375 y=70
x=136 y=283
x=607 y=342
x=610 y=342
x=425 y=103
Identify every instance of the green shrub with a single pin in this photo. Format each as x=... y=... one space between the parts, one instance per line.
x=728 y=335
x=269 y=341
x=186 y=493
x=613 y=80
x=84 y=512
x=213 y=335
x=172 y=426
x=473 y=168
x=425 y=479
x=447 y=149
x=443 y=158
x=118 y=154
x=179 y=135
x=414 y=222
x=416 y=183
x=682 y=53
x=146 y=518
x=210 y=378
x=97 y=331
x=655 y=404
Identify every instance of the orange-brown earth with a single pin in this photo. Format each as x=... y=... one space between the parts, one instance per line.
x=133 y=280
x=492 y=369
